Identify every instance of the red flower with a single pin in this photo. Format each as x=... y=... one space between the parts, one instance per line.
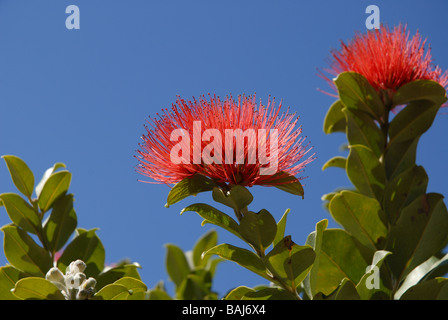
x=387 y=59
x=223 y=140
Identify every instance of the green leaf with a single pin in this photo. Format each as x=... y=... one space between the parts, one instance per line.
x=338 y=162
x=191 y=288
x=87 y=247
x=258 y=229
x=366 y=172
x=33 y=288
x=435 y=289
x=287 y=182
x=23 y=253
x=356 y=93
x=366 y=286
x=362 y=130
x=345 y=291
x=420 y=90
x=335 y=118
x=400 y=156
x=135 y=287
x=113 y=274
x=243 y=257
x=315 y=241
x=56 y=186
x=237 y=198
x=414 y=120
x=337 y=258
x=47 y=175
x=60 y=224
x=20 y=212
x=207 y=241
x=281 y=226
x=428 y=270
x=21 y=175
x=112 y=292
x=214 y=216
x=403 y=189
x=269 y=294
x=8 y=278
x=290 y=261
x=157 y=294
x=419 y=233
x=238 y=293
x=360 y=216
x=176 y=264
x=189 y=187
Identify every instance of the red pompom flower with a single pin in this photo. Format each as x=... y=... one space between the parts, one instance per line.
x=387 y=59
x=231 y=142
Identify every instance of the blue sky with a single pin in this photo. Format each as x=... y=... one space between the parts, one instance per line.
x=81 y=97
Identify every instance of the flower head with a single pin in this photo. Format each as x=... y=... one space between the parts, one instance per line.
x=230 y=141
x=387 y=59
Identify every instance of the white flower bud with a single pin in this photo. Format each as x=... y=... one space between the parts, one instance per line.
x=75 y=267
x=89 y=283
x=55 y=275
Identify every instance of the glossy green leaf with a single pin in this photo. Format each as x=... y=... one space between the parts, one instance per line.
x=281 y=226
x=87 y=247
x=435 y=289
x=420 y=90
x=237 y=198
x=189 y=187
x=290 y=261
x=345 y=291
x=176 y=264
x=207 y=241
x=338 y=162
x=157 y=294
x=8 y=278
x=403 y=189
x=315 y=241
x=269 y=294
x=286 y=182
x=23 y=253
x=366 y=172
x=419 y=233
x=56 y=186
x=412 y=121
x=61 y=223
x=191 y=288
x=238 y=293
x=243 y=257
x=361 y=216
x=356 y=93
x=258 y=229
x=47 y=175
x=338 y=258
x=335 y=119
x=33 y=288
x=400 y=157
x=20 y=212
x=112 y=292
x=113 y=274
x=428 y=270
x=362 y=130
x=370 y=283
x=214 y=216
x=21 y=175
x=135 y=287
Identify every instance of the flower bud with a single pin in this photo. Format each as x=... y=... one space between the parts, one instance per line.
x=75 y=267
x=55 y=275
